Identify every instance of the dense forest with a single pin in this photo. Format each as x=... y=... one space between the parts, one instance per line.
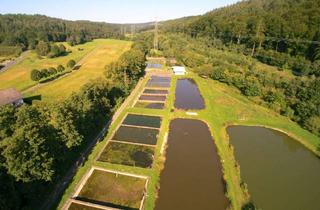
x=297 y=97
x=284 y=33
x=39 y=143
x=27 y=30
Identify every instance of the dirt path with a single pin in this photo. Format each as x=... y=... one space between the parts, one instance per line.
x=61 y=186
x=15 y=61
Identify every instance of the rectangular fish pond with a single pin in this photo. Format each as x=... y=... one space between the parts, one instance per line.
x=136 y=135
x=279 y=171
x=149 y=105
x=128 y=154
x=192 y=176
x=142 y=120
x=113 y=190
x=156 y=91
x=78 y=206
x=152 y=98
x=188 y=96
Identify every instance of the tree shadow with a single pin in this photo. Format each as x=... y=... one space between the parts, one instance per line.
x=77 y=67
x=29 y=100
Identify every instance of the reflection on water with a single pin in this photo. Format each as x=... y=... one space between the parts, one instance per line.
x=280 y=172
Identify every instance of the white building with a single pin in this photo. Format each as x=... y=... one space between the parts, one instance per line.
x=179 y=70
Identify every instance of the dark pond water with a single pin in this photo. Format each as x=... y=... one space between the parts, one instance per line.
x=152 y=98
x=143 y=120
x=280 y=172
x=155 y=91
x=164 y=84
x=136 y=135
x=149 y=105
x=188 y=95
x=192 y=177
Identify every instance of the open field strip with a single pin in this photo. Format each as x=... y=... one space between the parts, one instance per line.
x=18 y=76
x=92 y=68
x=224 y=106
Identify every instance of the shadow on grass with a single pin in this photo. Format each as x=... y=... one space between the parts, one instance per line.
x=107 y=204
x=30 y=99
x=77 y=67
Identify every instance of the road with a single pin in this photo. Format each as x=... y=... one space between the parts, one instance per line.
x=63 y=183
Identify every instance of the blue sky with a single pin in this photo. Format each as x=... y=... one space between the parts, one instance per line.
x=115 y=11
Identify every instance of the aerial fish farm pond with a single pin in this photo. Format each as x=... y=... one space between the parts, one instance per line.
x=280 y=173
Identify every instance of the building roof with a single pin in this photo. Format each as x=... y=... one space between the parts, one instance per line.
x=178 y=69
x=9 y=96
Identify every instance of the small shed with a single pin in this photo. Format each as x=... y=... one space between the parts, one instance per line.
x=179 y=70
x=10 y=96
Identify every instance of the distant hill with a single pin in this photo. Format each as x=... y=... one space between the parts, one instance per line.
x=27 y=30
x=290 y=26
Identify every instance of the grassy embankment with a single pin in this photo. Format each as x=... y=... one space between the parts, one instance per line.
x=224 y=106
x=93 y=55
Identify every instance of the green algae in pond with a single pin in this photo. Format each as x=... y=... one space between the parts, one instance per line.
x=143 y=120
x=279 y=171
x=77 y=206
x=128 y=154
x=136 y=135
x=113 y=190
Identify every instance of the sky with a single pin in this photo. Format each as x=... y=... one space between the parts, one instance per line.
x=113 y=11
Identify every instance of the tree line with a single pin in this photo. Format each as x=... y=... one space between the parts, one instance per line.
x=293 y=96
x=263 y=28
x=26 y=31
x=38 y=143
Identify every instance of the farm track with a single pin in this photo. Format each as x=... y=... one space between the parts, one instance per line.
x=15 y=61
x=62 y=185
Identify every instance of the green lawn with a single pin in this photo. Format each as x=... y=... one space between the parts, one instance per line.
x=224 y=106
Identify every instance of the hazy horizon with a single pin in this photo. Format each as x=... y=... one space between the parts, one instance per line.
x=113 y=11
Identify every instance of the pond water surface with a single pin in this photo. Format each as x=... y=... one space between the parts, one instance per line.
x=187 y=95
x=192 y=177
x=279 y=171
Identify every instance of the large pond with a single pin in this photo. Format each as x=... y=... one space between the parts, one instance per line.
x=192 y=177
x=187 y=95
x=279 y=171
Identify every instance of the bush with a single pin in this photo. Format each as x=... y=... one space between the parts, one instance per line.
x=60 y=68
x=36 y=75
x=71 y=64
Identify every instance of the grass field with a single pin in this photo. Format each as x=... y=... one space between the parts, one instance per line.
x=18 y=76
x=94 y=56
x=224 y=106
x=92 y=67
x=113 y=189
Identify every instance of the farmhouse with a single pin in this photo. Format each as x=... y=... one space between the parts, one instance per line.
x=179 y=70
x=10 y=96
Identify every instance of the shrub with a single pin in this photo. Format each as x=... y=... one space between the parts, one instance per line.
x=71 y=63
x=60 y=68
x=36 y=75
